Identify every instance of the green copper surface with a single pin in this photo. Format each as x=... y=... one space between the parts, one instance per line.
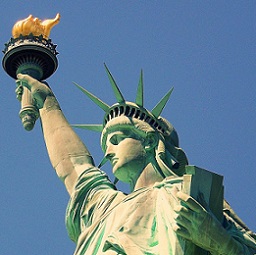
x=140 y=97
x=157 y=110
x=95 y=99
x=118 y=94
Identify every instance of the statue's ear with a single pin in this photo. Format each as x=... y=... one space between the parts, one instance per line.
x=151 y=141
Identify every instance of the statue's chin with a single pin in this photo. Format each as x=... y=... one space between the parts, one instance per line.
x=120 y=173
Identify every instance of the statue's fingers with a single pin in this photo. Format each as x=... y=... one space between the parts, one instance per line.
x=183 y=211
x=190 y=202
x=181 y=231
x=27 y=80
x=19 y=92
x=183 y=221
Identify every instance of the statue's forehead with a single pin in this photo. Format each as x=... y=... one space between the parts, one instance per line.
x=124 y=131
x=112 y=134
x=120 y=129
x=122 y=126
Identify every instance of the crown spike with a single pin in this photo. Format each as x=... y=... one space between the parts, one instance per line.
x=118 y=94
x=92 y=127
x=95 y=99
x=157 y=110
x=140 y=95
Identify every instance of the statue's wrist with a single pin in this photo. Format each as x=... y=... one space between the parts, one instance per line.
x=51 y=103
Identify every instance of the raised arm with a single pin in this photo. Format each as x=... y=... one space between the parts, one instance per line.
x=68 y=155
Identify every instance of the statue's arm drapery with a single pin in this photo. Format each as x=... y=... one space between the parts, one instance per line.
x=239 y=231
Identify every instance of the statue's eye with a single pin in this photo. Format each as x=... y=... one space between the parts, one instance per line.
x=116 y=139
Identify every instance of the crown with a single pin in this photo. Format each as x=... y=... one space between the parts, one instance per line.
x=124 y=108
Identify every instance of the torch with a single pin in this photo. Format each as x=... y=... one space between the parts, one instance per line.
x=30 y=51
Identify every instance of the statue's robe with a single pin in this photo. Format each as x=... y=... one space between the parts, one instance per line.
x=102 y=220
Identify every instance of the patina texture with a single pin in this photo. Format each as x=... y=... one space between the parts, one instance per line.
x=160 y=215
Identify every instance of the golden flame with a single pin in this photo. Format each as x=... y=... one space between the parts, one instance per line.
x=35 y=26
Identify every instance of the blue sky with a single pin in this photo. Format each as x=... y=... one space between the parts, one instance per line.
x=204 y=49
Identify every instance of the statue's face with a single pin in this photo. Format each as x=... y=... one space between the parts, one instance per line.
x=127 y=155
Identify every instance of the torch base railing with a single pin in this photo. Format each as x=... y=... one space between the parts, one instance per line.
x=35 y=56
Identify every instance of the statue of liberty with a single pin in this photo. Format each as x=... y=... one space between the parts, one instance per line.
x=157 y=217
x=172 y=209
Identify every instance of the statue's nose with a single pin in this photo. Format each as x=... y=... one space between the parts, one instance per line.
x=109 y=156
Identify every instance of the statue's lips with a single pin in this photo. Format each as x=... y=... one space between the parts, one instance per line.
x=114 y=161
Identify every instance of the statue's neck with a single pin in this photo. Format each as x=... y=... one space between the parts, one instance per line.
x=148 y=177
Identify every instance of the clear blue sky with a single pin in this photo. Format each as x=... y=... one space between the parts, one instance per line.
x=205 y=49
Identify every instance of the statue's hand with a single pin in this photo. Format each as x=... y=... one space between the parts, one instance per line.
x=196 y=224
x=39 y=90
x=19 y=90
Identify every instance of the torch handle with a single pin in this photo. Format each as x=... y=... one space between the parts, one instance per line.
x=28 y=113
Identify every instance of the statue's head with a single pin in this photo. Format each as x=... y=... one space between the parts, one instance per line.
x=157 y=135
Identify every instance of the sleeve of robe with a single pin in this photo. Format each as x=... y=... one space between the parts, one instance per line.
x=93 y=195
x=239 y=231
